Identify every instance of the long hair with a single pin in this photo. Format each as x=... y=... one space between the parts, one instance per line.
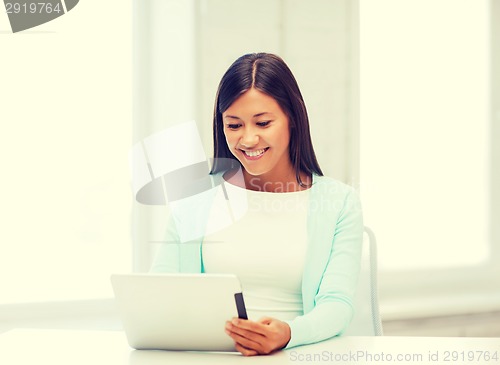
x=269 y=74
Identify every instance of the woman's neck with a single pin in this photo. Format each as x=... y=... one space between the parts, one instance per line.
x=286 y=182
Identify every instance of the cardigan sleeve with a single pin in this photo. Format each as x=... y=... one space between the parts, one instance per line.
x=176 y=255
x=180 y=250
x=333 y=308
x=167 y=258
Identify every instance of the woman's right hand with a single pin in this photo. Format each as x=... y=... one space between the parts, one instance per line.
x=260 y=337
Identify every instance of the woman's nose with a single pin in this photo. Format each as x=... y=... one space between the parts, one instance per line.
x=249 y=138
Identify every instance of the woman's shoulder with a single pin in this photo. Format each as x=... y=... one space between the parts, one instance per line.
x=332 y=195
x=331 y=185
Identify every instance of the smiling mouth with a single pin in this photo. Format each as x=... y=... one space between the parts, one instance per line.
x=256 y=153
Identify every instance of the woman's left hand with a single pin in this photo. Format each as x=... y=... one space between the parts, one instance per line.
x=258 y=338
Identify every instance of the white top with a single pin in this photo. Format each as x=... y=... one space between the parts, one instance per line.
x=266 y=249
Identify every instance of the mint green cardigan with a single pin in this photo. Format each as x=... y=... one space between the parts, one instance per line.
x=335 y=233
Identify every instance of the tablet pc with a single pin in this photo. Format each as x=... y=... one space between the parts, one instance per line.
x=178 y=311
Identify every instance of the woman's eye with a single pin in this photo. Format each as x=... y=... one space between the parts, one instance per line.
x=233 y=126
x=263 y=124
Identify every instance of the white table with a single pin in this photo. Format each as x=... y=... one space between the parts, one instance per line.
x=54 y=347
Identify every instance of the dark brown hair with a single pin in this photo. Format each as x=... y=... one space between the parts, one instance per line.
x=269 y=74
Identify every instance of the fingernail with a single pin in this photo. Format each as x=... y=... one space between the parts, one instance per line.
x=235 y=322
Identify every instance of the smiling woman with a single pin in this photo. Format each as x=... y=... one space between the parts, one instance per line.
x=297 y=261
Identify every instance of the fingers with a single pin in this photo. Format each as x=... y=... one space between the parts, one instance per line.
x=250 y=325
x=244 y=336
x=244 y=351
x=249 y=348
x=247 y=343
x=243 y=345
x=254 y=337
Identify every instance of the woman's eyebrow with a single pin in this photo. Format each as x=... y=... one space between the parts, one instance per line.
x=260 y=114
x=231 y=117
x=255 y=115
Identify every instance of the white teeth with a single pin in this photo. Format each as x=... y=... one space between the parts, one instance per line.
x=255 y=153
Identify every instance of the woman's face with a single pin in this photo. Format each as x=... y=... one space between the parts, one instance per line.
x=257 y=134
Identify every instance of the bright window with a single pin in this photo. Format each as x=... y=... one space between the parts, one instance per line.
x=425 y=131
x=66 y=129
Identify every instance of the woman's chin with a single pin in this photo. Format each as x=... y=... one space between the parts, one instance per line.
x=252 y=171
